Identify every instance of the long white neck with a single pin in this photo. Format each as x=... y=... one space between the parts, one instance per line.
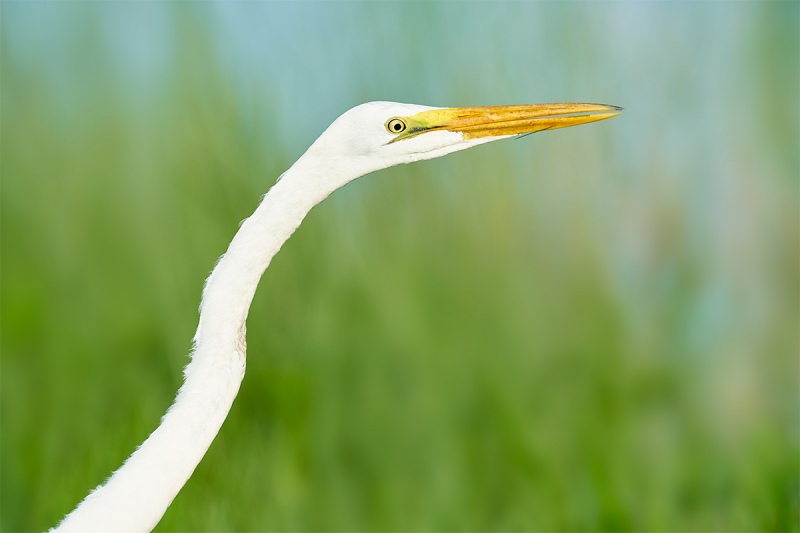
x=136 y=496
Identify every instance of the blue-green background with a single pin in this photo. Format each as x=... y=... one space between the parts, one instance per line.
x=592 y=329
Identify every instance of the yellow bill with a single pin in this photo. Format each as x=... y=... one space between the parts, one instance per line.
x=496 y=121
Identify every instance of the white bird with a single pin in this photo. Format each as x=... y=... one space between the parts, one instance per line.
x=366 y=138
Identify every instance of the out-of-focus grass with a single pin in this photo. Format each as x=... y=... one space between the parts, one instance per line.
x=578 y=331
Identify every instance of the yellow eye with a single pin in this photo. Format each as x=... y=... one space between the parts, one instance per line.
x=395 y=125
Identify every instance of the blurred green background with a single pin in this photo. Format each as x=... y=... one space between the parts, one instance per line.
x=593 y=329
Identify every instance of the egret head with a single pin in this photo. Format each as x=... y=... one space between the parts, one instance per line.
x=378 y=135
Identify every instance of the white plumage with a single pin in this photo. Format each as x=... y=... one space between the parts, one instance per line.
x=364 y=139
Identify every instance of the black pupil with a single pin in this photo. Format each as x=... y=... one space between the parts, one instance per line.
x=397 y=126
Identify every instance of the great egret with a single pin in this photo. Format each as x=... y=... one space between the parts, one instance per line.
x=366 y=138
